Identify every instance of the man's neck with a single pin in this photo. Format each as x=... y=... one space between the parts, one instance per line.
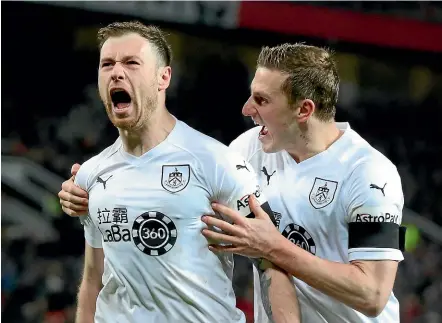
x=157 y=128
x=315 y=139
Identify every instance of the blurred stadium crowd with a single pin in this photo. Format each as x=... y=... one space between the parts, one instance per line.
x=53 y=117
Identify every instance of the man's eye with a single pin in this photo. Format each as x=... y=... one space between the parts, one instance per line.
x=105 y=64
x=133 y=63
x=260 y=100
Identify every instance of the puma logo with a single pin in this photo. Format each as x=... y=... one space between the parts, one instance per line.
x=264 y=170
x=102 y=181
x=238 y=167
x=379 y=188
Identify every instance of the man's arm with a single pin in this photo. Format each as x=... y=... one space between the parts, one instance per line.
x=373 y=200
x=233 y=182
x=279 y=300
x=90 y=284
x=375 y=241
x=362 y=285
x=278 y=293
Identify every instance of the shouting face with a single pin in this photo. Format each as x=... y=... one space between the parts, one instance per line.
x=268 y=106
x=128 y=80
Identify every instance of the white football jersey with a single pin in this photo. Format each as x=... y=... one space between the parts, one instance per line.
x=145 y=212
x=343 y=204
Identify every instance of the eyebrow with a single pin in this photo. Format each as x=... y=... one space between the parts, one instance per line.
x=124 y=59
x=260 y=93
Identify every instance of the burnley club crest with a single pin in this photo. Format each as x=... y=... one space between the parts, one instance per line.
x=322 y=192
x=175 y=178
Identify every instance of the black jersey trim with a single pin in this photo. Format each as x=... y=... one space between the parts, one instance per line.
x=376 y=235
x=266 y=207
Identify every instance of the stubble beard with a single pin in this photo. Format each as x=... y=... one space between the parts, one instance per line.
x=139 y=117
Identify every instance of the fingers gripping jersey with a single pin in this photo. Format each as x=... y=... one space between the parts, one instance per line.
x=343 y=204
x=145 y=212
x=83 y=179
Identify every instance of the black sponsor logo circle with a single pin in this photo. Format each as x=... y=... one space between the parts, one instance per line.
x=300 y=237
x=154 y=233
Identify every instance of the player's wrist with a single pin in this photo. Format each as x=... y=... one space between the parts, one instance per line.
x=273 y=248
x=268 y=250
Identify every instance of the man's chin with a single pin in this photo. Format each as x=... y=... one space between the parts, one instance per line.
x=267 y=143
x=124 y=124
x=270 y=147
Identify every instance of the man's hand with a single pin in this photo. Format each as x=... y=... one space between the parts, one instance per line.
x=248 y=237
x=74 y=201
x=254 y=238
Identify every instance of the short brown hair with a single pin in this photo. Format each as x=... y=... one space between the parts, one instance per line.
x=312 y=74
x=152 y=33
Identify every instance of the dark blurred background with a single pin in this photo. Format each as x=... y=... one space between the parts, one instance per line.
x=390 y=63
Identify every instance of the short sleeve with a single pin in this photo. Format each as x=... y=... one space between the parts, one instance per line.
x=84 y=173
x=373 y=202
x=234 y=181
x=91 y=233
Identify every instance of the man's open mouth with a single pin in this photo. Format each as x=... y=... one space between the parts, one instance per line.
x=120 y=99
x=263 y=131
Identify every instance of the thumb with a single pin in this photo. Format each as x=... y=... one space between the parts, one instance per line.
x=256 y=208
x=75 y=168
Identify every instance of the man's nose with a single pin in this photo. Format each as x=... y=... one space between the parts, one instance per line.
x=118 y=72
x=247 y=109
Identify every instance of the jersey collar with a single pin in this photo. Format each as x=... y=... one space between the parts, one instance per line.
x=155 y=151
x=331 y=151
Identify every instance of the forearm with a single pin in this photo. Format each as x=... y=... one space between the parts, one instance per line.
x=278 y=294
x=87 y=299
x=346 y=283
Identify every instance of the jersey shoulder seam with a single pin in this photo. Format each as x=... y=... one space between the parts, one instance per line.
x=256 y=151
x=96 y=164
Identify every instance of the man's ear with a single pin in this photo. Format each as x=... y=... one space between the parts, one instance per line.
x=164 y=76
x=305 y=109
